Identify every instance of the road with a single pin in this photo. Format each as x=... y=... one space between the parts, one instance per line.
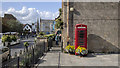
x=18 y=47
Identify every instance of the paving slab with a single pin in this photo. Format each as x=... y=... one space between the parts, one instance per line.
x=57 y=59
x=96 y=60
x=50 y=58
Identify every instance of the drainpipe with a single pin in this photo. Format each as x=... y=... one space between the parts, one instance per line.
x=67 y=18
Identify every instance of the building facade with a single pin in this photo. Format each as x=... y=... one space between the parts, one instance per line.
x=34 y=27
x=27 y=27
x=102 y=20
x=46 y=25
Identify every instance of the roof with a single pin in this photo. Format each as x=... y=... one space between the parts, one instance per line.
x=80 y=25
x=28 y=25
x=9 y=16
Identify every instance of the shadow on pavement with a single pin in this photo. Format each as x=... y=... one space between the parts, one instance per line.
x=90 y=55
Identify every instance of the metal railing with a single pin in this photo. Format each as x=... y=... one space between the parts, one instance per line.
x=28 y=58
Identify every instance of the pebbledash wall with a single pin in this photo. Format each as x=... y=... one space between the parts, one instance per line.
x=102 y=21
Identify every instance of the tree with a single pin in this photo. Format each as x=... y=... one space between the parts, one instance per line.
x=26 y=44
x=60 y=11
x=41 y=33
x=5 y=27
x=59 y=22
x=14 y=26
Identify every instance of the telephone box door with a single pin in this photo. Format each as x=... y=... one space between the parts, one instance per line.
x=80 y=36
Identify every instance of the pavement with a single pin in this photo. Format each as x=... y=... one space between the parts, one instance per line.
x=56 y=58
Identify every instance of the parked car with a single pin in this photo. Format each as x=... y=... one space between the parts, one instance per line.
x=4 y=51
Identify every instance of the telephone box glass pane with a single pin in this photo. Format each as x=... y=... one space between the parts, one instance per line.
x=82 y=31
x=81 y=35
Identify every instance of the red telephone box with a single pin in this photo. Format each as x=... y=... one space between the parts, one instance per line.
x=80 y=36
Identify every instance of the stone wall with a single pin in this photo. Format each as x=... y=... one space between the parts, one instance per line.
x=102 y=21
x=102 y=34
x=44 y=42
x=64 y=31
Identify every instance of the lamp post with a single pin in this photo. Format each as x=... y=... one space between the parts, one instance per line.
x=71 y=9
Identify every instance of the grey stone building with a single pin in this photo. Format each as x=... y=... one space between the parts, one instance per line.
x=46 y=25
x=102 y=20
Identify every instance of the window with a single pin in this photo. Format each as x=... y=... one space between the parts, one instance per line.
x=82 y=31
x=81 y=44
x=81 y=36
x=27 y=27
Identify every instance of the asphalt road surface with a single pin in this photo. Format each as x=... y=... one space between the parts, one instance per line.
x=18 y=47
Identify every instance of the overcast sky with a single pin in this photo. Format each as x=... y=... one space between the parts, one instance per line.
x=28 y=12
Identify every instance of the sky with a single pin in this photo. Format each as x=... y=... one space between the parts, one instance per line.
x=29 y=12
